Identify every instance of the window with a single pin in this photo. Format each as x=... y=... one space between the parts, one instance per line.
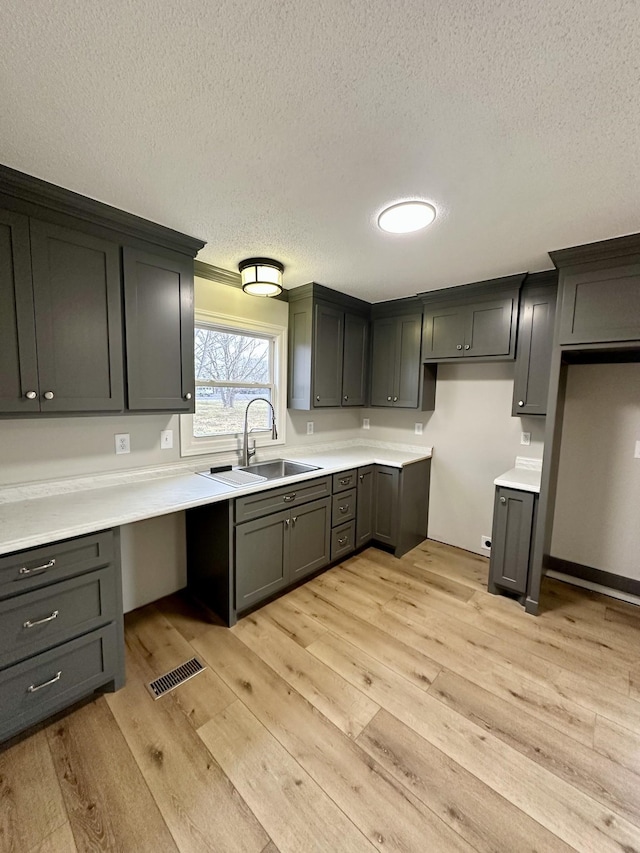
x=236 y=360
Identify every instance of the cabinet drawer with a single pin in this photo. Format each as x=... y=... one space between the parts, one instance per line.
x=342 y=540
x=42 y=685
x=254 y=506
x=38 y=567
x=344 y=480
x=33 y=622
x=343 y=507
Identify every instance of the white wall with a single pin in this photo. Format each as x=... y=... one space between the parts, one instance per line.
x=597 y=515
x=475 y=439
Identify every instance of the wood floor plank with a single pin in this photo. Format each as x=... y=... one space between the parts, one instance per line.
x=466 y=650
x=402 y=658
x=353 y=600
x=634 y=683
x=28 y=777
x=339 y=701
x=295 y=623
x=629 y=616
x=617 y=743
x=390 y=817
x=606 y=781
x=198 y=802
x=369 y=586
x=445 y=560
x=484 y=818
x=163 y=648
x=185 y=615
x=564 y=810
x=291 y=807
x=60 y=841
x=408 y=577
x=108 y=803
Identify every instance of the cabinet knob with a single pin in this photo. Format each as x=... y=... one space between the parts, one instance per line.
x=188 y=395
x=31 y=395
x=361 y=477
x=467 y=346
x=395 y=399
x=521 y=402
x=503 y=500
x=346 y=396
x=317 y=398
x=459 y=346
x=389 y=399
x=48 y=395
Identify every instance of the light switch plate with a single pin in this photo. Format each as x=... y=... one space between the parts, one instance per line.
x=166 y=439
x=365 y=423
x=418 y=429
x=309 y=427
x=525 y=438
x=637 y=453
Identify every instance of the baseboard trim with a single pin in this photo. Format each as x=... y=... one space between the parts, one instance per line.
x=629 y=586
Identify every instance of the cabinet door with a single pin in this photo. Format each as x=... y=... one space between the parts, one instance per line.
x=262 y=558
x=18 y=371
x=158 y=294
x=327 y=356
x=533 y=357
x=385 y=513
x=355 y=360
x=407 y=366
x=364 y=506
x=511 y=539
x=309 y=538
x=443 y=331
x=488 y=331
x=76 y=286
x=601 y=304
x=383 y=346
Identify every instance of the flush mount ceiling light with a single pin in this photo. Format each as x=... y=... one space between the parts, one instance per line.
x=406 y=216
x=261 y=276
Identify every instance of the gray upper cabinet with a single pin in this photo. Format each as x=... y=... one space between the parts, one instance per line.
x=472 y=321
x=328 y=349
x=61 y=295
x=535 y=344
x=158 y=300
x=19 y=386
x=76 y=287
x=395 y=361
x=60 y=299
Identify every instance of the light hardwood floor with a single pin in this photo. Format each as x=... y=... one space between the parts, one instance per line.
x=387 y=704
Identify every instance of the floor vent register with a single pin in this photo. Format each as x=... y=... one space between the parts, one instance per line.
x=175 y=678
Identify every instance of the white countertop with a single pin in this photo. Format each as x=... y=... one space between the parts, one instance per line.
x=525 y=476
x=65 y=511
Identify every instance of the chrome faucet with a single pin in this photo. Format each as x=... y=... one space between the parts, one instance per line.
x=246 y=453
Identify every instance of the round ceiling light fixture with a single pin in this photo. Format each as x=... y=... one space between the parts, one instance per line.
x=406 y=216
x=261 y=276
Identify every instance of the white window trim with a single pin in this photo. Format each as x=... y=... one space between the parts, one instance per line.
x=192 y=446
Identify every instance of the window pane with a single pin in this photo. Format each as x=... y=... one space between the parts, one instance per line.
x=229 y=357
x=220 y=411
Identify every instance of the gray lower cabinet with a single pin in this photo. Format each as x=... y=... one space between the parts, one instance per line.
x=401 y=505
x=535 y=344
x=513 y=524
x=275 y=551
x=364 y=505
x=385 y=504
x=61 y=631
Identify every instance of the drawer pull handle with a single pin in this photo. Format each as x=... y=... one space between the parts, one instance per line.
x=288 y=498
x=361 y=477
x=343 y=541
x=30 y=624
x=294 y=518
x=43 y=568
x=344 y=508
x=345 y=481
x=34 y=687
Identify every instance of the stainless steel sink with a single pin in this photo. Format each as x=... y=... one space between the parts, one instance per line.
x=277 y=469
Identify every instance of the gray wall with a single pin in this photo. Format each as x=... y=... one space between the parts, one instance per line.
x=597 y=516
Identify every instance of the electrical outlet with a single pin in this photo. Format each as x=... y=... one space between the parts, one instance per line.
x=637 y=453
x=166 y=439
x=365 y=423
x=122 y=443
x=309 y=427
x=418 y=429
x=485 y=543
x=525 y=438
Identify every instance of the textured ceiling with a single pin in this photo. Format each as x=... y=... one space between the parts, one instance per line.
x=281 y=127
